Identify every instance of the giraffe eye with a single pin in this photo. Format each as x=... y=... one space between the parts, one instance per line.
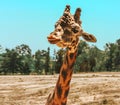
x=74 y=30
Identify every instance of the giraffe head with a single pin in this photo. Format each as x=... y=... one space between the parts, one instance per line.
x=68 y=30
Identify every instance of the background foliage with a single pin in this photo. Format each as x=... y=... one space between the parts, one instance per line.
x=20 y=60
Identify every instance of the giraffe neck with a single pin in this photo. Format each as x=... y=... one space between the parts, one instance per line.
x=59 y=96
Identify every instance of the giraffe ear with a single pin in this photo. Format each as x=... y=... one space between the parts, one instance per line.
x=89 y=37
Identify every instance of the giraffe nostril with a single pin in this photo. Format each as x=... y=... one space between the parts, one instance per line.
x=59 y=30
x=55 y=34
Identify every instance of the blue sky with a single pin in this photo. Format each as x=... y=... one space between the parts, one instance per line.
x=30 y=21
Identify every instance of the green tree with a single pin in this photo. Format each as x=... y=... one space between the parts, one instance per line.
x=39 y=61
x=82 y=47
x=11 y=62
x=113 y=56
x=110 y=49
x=117 y=56
x=24 y=52
x=47 y=61
x=88 y=59
x=100 y=57
x=93 y=54
x=1 y=58
x=23 y=49
x=82 y=57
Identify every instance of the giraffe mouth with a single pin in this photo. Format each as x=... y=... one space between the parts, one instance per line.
x=53 y=40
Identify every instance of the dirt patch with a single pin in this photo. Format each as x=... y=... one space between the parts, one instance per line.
x=86 y=89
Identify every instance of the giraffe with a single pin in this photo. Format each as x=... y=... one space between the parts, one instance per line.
x=66 y=35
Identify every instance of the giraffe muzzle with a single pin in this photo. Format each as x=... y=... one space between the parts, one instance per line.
x=53 y=40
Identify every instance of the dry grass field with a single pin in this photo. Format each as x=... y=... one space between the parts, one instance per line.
x=86 y=89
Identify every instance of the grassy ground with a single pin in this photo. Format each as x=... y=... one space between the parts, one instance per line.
x=86 y=89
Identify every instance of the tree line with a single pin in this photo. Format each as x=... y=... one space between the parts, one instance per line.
x=20 y=60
